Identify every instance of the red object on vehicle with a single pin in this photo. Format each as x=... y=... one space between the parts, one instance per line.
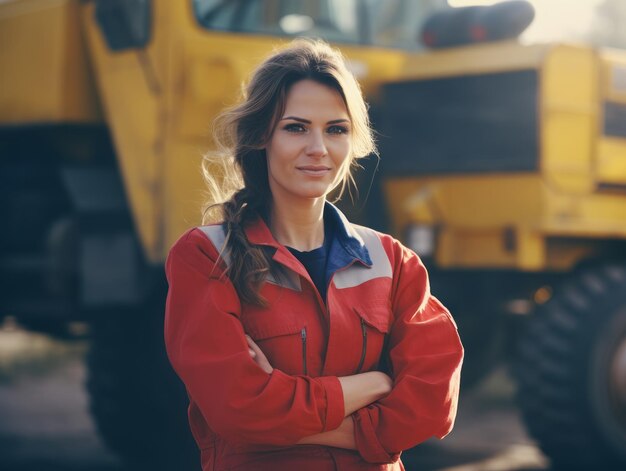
x=475 y=24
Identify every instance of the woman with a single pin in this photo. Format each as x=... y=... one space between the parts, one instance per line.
x=279 y=318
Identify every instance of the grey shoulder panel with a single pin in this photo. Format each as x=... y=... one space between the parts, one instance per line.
x=358 y=274
x=217 y=236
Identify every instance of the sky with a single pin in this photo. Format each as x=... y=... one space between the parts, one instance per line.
x=554 y=19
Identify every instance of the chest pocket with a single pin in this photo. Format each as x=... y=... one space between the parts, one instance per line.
x=374 y=321
x=281 y=338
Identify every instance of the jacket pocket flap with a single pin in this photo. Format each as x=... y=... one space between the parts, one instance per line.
x=377 y=316
x=266 y=330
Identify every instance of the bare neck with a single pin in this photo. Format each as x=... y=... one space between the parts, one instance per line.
x=299 y=224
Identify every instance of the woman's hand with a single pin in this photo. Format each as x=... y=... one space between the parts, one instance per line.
x=342 y=437
x=362 y=389
x=258 y=356
x=359 y=390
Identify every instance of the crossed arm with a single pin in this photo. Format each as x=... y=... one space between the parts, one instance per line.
x=422 y=402
x=359 y=391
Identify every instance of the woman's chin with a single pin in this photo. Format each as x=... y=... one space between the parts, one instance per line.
x=301 y=190
x=311 y=192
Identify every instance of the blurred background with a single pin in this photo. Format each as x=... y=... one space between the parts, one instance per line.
x=502 y=136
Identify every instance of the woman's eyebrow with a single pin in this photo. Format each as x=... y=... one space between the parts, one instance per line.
x=306 y=121
x=295 y=118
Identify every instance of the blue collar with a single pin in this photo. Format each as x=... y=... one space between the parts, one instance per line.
x=346 y=246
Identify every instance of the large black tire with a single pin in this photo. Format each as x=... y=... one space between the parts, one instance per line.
x=138 y=403
x=571 y=372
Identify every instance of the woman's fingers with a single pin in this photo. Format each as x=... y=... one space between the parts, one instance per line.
x=257 y=354
x=256 y=351
x=253 y=347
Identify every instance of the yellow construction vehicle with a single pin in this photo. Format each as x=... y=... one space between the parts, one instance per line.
x=503 y=165
x=505 y=168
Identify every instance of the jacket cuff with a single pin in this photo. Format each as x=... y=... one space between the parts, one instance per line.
x=335 y=408
x=367 y=443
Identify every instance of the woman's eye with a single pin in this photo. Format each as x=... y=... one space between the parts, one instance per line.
x=294 y=127
x=338 y=129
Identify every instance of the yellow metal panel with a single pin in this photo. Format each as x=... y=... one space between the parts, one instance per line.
x=530 y=250
x=206 y=74
x=596 y=215
x=373 y=66
x=569 y=117
x=475 y=59
x=611 y=164
x=130 y=89
x=471 y=249
x=567 y=150
x=474 y=215
x=478 y=201
x=496 y=221
x=45 y=72
x=209 y=72
x=184 y=188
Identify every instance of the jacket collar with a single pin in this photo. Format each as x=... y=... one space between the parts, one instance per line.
x=347 y=237
x=347 y=247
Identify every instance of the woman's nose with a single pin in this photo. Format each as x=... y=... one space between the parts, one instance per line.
x=316 y=146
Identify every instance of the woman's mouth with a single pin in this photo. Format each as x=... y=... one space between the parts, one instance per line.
x=314 y=170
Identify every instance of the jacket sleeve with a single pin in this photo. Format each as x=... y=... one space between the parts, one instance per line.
x=425 y=355
x=206 y=346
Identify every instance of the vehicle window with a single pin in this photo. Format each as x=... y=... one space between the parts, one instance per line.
x=333 y=20
x=387 y=23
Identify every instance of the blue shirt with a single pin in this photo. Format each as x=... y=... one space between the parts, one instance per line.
x=315 y=261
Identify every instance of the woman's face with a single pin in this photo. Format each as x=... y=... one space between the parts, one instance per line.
x=308 y=153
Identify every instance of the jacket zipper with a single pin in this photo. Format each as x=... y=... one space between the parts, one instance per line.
x=364 y=331
x=303 y=333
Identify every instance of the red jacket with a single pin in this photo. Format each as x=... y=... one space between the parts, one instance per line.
x=378 y=298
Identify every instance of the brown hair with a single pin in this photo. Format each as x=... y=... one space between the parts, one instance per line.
x=242 y=133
